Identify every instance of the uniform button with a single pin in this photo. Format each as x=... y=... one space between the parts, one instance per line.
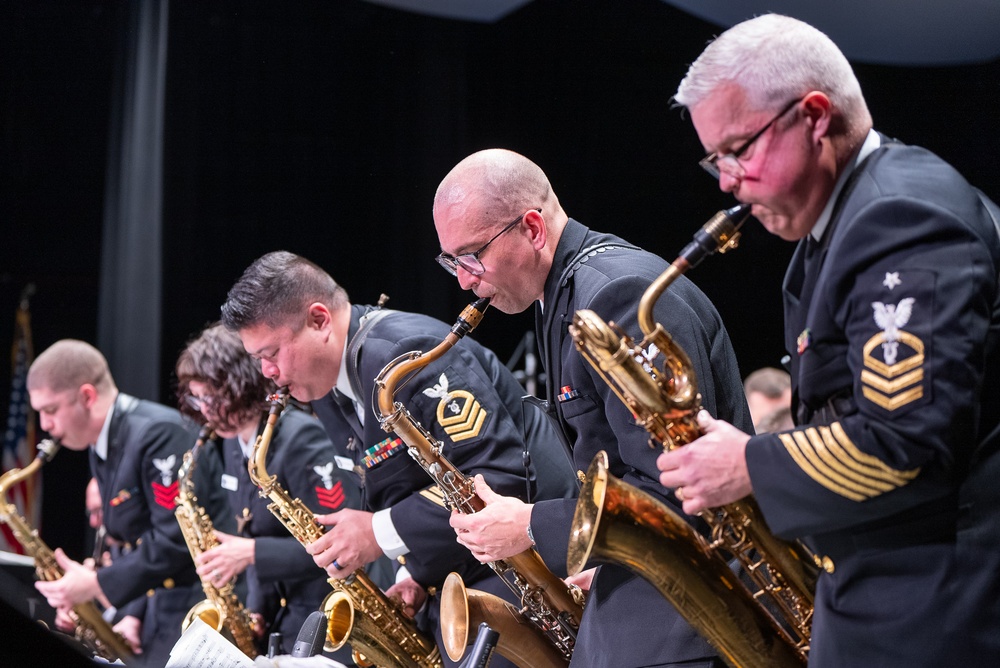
x=168 y=583
x=149 y=593
x=432 y=591
x=284 y=602
x=401 y=559
x=828 y=565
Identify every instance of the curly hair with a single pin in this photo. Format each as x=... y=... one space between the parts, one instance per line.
x=217 y=358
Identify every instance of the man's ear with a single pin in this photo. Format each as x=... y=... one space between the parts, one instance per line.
x=819 y=111
x=534 y=223
x=88 y=395
x=318 y=316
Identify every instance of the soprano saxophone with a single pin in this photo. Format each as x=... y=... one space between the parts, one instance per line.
x=357 y=611
x=91 y=628
x=617 y=523
x=552 y=608
x=221 y=608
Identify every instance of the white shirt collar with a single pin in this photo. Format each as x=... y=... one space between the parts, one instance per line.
x=101 y=446
x=245 y=446
x=872 y=142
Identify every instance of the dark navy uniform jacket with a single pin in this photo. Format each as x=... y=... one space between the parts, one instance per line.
x=284 y=584
x=626 y=621
x=892 y=474
x=468 y=400
x=138 y=484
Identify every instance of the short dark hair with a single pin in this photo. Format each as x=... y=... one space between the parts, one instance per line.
x=276 y=289
x=216 y=357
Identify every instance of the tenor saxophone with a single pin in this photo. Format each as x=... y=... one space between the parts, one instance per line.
x=618 y=523
x=91 y=628
x=553 y=608
x=357 y=611
x=221 y=608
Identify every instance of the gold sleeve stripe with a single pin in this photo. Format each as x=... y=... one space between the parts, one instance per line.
x=434 y=495
x=804 y=464
x=875 y=474
x=831 y=457
x=828 y=456
x=905 y=474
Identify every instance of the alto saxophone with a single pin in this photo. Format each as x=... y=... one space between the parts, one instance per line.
x=553 y=608
x=357 y=610
x=91 y=628
x=617 y=523
x=221 y=608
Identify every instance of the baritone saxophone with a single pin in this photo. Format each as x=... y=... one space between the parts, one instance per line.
x=618 y=523
x=221 y=608
x=552 y=608
x=91 y=629
x=357 y=611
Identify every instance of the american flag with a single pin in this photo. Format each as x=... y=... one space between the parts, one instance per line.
x=19 y=438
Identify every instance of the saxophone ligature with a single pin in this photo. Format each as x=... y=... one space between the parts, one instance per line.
x=92 y=631
x=618 y=523
x=357 y=611
x=221 y=609
x=551 y=606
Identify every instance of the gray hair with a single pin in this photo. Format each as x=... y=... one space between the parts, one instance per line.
x=775 y=59
x=276 y=290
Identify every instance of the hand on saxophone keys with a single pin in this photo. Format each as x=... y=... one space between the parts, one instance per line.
x=499 y=530
x=78 y=584
x=348 y=544
x=711 y=471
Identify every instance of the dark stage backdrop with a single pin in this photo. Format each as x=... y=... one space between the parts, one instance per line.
x=324 y=126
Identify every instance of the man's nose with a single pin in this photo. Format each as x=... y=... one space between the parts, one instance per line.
x=466 y=280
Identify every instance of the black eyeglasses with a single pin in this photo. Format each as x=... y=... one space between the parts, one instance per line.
x=714 y=163
x=470 y=261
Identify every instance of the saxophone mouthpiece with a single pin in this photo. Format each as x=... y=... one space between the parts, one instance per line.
x=470 y=317
x=720 y=233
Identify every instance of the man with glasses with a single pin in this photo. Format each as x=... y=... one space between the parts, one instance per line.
x=550 y=260
x=892 y=314
x=299 y=323
x=136 y=448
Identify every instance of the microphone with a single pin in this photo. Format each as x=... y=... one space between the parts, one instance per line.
x=274 y=646
x=311 y=636
x=482 y=650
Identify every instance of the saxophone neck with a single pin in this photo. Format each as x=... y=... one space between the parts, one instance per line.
x=47 y=449
x=394 y=372
x=258 y=456
x=185 y=475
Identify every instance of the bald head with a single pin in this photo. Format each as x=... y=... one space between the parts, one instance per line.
x=495 y=185
x=67 y=365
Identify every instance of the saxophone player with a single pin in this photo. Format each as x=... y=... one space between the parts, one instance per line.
x=504 y=235
x=891 y=320
x=136 y=448
x=294 y=318
x=221 y=386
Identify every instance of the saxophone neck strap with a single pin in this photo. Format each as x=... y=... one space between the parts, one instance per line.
x=365 y=325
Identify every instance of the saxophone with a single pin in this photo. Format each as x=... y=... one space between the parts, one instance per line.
x=221 y=608
x=357 y=610
x=91 y=628
x=618 y=523
x=553 y=608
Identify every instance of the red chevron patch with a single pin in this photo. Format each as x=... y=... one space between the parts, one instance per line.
x=166 y=496
x=331 y=498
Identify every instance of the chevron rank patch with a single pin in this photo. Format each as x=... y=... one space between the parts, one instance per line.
x=165 y=491
x=458 y=412
x=893 y=375
x=827 y=455
x=329 y=494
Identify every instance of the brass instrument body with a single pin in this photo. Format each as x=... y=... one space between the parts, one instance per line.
x=221 y=609
x=91 y=628
x=554 y=608
x=357 y=610
x=665 y=401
